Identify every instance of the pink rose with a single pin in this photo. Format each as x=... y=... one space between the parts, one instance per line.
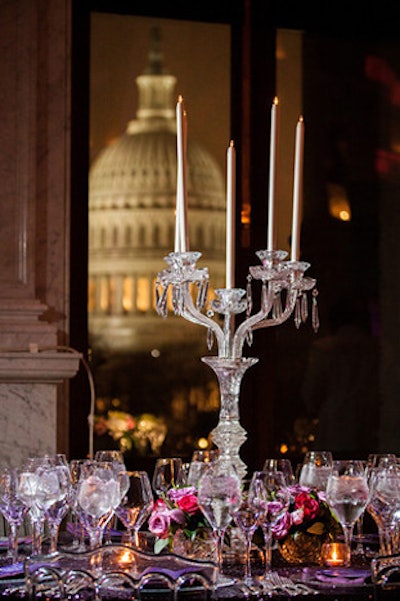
x=159 y=523
x=188 y=503
x=297 y=516
x=177 y=493
x=177 y=515
x=281 y=527
x=309 y=505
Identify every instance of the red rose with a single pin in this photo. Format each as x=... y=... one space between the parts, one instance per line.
x=309 y=505
x=188 y=503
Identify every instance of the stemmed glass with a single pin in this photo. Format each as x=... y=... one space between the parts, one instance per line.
x=12 y=508
x=268 y=490
x=347 y=494
x=116 y=458
x=109 y=455
x=219 y=496
x=168 y=473
x=98 y=495
x=56 y=511
x=247 y=517
x=38 y=487
x=384 y=484
x=136 y=505
x=280 y=465
x=316 y=468
x=78 y=532
x=200 y=463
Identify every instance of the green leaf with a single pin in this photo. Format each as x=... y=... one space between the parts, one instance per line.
x=317 y=528
x=160 y=544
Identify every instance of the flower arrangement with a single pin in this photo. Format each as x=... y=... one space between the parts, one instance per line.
x=130 y=432
x=308 y=512
x=305 y=526
x=177 y=511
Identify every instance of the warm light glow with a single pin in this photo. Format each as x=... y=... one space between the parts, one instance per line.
x=155 y=353
x=344 y=215
x=143 y=294
x=339 y=206
x=104 y=298
x=283 y=448
x=202 y=443
x=334 y=554
x=127 y=295
x=91 y=295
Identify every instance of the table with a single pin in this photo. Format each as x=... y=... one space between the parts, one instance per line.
x=13 y=588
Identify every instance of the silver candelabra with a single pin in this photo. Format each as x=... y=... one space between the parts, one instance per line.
x=284 y=289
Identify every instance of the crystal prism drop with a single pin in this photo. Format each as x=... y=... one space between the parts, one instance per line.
x=314 y=312
x=304 y=307
x=297 y=314
x=249 y=337
x=249 y=297
x=210 y=339
x=277 y=307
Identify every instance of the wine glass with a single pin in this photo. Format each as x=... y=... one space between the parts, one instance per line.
x=316 y=468
x=200 y=463
x=98 y=495
x=247 y=516
x=109 y=455
x=219 y=496
x=383 y=502
x=78 y=532
x=168 y=473
x=38 y=486
x=280 y=465
x=56 y=511
x=12 y=508
x=116 y=458
x=347 y=494
x=268 y=490
x=136 y=505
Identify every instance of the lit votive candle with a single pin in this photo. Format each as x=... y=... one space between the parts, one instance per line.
x=334 y=554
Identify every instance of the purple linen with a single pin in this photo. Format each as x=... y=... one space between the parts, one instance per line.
x=336 y=576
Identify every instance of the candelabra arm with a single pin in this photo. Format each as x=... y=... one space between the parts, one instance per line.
x=286 y=313
x=190 y=313
x=251 y=322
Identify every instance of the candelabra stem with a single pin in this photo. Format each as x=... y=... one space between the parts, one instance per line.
x=229 y=435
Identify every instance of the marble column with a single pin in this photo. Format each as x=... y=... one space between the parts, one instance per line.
x=35 y=361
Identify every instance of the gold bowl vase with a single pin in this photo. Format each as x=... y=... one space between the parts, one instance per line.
x=302 y=548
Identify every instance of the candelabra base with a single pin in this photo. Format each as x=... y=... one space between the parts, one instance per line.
x=229 y=435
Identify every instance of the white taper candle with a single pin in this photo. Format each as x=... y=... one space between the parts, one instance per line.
x=297 y=190
x=273 y=157
x=230 y=215
x=181 y=211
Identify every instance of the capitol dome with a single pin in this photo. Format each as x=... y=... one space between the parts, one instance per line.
x=132 y=198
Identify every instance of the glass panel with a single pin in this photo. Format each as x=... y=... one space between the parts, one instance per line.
x=144 y=365
x=338 y=390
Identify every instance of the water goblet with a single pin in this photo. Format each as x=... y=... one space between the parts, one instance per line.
x=38 y=486
x=347 y=494
x=247 y=516
x=12 y=508
x=116 y=458
x=280 y=465
x=268 y=490
x=168 y=473
x=383 y=504
x=98 y=495
x=315 y=470
x=219 y=496
x=201 y=461
x=136 y=505
x=78 y=531
x=56 y=511
x=109 y=455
